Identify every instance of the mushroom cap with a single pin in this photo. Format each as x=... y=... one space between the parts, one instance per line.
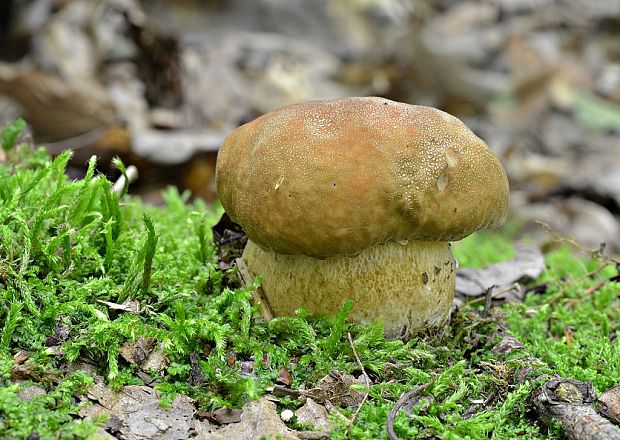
x=330 y=178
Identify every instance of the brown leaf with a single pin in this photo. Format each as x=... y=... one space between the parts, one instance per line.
x=313 y=414
x=259 y=419
x=231 y=359
x=284 y=377
x=229 y=238
x=222 y=416
x=57 y=109
x=20 y=357
x=528 y=263
x=140 y=415
x=60 y=335
x=34 y=373
x=137 y=352
x=156 y=360
x=336 y=388
x=195 y=373
x=611 y=401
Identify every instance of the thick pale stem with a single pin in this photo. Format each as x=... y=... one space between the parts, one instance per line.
x=410 y=285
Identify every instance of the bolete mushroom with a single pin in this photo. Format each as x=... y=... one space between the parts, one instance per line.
x=358 y=198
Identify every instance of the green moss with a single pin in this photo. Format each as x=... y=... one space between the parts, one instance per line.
x=51 y=414
x=68 y=247
x=571 y=329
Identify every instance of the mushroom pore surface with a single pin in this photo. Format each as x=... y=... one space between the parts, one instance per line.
x=333 y=178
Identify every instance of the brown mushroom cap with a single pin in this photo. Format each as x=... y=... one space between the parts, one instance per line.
x=331 y=178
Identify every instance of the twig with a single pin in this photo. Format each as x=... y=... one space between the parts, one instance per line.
x=573 y=282
x=563 y=400
x=366 y=379
x=488 y=298
x=258 y=295
x=590 y=290
x=594 y=253
x=399 y=403
x=513 y=286
x=132 y=176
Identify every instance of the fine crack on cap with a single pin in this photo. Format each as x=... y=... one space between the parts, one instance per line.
x=330 y=178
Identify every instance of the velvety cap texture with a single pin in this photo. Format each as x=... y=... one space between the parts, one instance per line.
x=331 y=178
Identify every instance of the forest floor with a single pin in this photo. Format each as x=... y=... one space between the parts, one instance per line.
x=123 y=320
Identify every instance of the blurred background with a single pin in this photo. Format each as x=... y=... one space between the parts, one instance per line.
x=160 y=84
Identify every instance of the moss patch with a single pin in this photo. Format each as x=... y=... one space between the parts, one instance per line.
x=70 y=249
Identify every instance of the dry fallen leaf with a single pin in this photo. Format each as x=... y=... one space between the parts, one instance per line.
x=258 y=419
x=222 y=416
x=314 y=414
x=611 y=400
x=136 y=352
x=527 y=264
x=128 y=305
x=156 y=360
x=140 y=415
x=284 y=377
x=589 y=223
x=336 y=389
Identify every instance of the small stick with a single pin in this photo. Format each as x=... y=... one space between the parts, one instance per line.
x=258 y=296
x=132 y=176
x=596 y=253
x=590 y=290
x=488 y=298
x=513 y=286
x=366 y=379
x=575 y=281
x=403 y=399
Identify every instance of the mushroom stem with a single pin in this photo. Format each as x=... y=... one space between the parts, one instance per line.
x=409 y=285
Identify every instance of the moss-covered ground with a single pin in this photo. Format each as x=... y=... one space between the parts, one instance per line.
x=68 y=249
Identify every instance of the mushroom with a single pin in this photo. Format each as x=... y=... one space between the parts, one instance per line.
x=357 y=199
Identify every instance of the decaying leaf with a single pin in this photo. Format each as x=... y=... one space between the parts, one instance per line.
x=222 y=416
x=128 y=305
x=195 y=373
x=258 y=419
x=589 y=223
x=60 y=334
x=56 y=109
x=20 y=357
x=30 y=392
x=336 y=388
x=611 y=403
x=313 y=414
x=527 y=264
x=155 y=144
x=136 y=352
x=140 y=414
x=284 y=377
x=156 y=360
x=229 y=238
